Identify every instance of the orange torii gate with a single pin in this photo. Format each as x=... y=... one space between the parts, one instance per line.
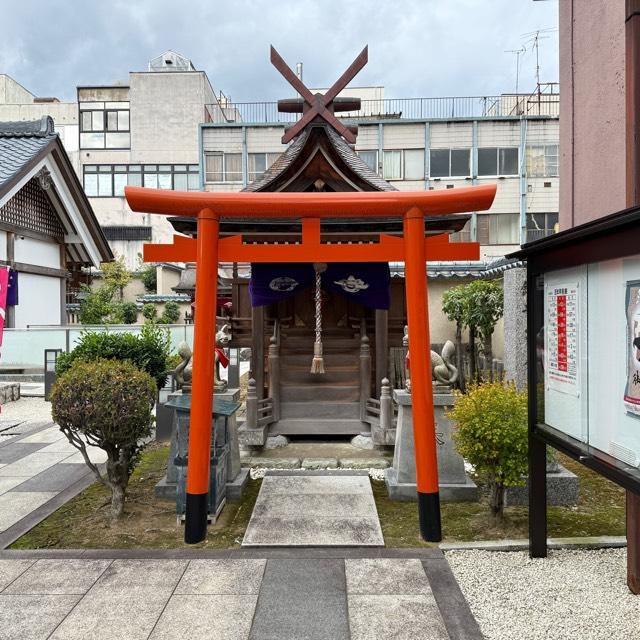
x=413 y=248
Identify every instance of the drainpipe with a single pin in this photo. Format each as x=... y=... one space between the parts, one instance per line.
x=427 y=158
x=474 y=176
x=380 y=146
x=523 y=179
x=245 y=159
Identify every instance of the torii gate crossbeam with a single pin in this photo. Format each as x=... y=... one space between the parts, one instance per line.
x=413 y=248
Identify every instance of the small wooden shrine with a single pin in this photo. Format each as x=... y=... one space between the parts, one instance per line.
x=318 y=220
x=362 y=310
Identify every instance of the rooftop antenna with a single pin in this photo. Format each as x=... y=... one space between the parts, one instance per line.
x=518 y=53
x=534 y=40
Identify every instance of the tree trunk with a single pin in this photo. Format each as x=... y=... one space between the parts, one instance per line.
x=117 y=501
x=459 y=360
x=496 y=501
x=472 y=355
x=488 y=355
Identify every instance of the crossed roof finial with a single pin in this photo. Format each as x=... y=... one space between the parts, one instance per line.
x=319 y=105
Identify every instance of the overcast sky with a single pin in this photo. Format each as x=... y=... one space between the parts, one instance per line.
x=417 y=48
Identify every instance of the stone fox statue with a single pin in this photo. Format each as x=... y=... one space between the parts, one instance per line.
x=442 y=368
x=183 y=372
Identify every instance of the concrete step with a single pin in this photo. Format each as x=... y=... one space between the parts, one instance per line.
x=22 y=377
x=313 y=426
x=334 y=410
x=319 y=393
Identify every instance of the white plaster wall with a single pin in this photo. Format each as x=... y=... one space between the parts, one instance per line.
x=38 y=301
x=3 y=245
x=454 y=135
x=37 y=252
x=403 y=136
x=265 y=140
x=541 y=198
x=12 y=92
x=498 y=134
x=367 y=137
x=225 y=139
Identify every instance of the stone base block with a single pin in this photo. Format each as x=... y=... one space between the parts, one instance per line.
x=236 y=488
x=383 y=437
x=165 y=490
x=406 y=492
x=252 y=437
x=319 y=463
x=9 y=391
x=563 y=490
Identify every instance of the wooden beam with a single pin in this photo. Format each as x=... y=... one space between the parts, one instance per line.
x=382 y=347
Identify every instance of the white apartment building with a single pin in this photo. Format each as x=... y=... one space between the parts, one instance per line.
x=416 y=144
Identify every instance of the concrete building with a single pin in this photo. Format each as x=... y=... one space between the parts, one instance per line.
x=140 y=132
x=592 y=106
x=416 y=144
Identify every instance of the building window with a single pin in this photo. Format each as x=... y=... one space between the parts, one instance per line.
x=223 y=167
x=498 y=228
x=500 y=161
x=542 y=160
x=464 y=235
x=541 y=225
x=370 y=158
x=449 y=163
x=109 y=180
x=259 y=163
x=104 y=125
x=403 y=165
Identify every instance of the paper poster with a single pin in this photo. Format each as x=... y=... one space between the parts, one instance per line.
x=632 y=311
x=561 y=338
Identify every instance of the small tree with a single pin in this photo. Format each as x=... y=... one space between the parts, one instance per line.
x=171 y=313
x=492 y=435
x=116 y=276
x=454 y=306
x=106 y=404
x=485 y=302
x=149 y=277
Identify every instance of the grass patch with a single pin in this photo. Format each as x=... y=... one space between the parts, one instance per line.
x=599 y=512
x=85 y=521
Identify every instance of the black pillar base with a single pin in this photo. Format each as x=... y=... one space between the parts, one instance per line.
x=195 y=524
x=429 y=513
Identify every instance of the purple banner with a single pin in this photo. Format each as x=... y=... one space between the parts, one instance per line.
x=364 y=282
x=12 y=292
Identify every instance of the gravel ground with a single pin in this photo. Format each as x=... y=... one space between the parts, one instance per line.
x=569 y=595
x=26 y=409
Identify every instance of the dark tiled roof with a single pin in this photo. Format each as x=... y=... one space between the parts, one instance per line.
x=20 y=142
x=346 y=153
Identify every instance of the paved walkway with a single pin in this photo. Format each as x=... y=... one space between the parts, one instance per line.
x=232 y=595
x=39 y=472
x=321 y=510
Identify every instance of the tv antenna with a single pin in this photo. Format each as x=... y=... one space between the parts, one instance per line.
x=518 y=53
x=534 y=38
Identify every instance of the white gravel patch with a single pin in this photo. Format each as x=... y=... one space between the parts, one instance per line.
x=26 y=409
x=579 y=595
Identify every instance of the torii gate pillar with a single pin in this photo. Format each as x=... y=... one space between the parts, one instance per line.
x=424 y=431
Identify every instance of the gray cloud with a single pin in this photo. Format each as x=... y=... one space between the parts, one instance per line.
x=416 y=47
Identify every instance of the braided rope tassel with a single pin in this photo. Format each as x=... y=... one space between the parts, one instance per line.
x=317 y=364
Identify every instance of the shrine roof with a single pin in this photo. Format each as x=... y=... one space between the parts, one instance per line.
x=305 y=145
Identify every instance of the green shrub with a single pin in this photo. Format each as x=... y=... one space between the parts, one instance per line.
x=492 y=435
x=149 y=351
x=106 y=404
x=171 y=313
x=149 y=277
x=149 y=311
x=124 y=313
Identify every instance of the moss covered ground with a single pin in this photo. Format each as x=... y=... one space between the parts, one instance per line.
x=85 y=522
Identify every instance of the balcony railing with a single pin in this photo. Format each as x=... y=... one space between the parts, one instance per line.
x=545 y=102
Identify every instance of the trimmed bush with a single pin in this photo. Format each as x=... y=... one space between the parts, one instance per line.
x=492 y=435
x=171 y=313
x=106 y=404
x=149 y=351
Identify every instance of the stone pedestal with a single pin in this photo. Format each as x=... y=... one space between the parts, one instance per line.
x=236 y=477
x=563 y=490
x=455 y=485
x=515 y=326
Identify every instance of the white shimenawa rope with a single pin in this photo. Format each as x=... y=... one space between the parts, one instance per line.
x=317 y=364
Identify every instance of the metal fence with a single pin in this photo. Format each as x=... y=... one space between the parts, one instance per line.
x=535 y=104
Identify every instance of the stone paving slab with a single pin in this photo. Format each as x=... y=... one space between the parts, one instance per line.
x=32 y=617
x=13 y=451
x=15 y=505
x=33 y=464
x=58 y=577
x=196 y=617
x=314 y=511
x=268 y=598
x=55 y=478
x=52 y=434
